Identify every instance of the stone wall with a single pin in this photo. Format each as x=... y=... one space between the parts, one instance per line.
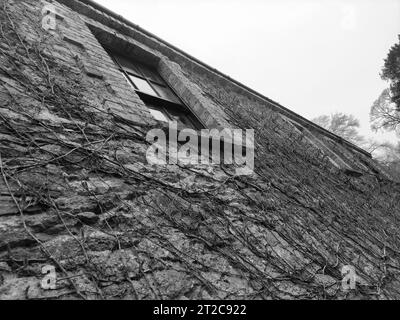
x=77 y=193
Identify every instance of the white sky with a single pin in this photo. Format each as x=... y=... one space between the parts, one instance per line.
x=313 y=56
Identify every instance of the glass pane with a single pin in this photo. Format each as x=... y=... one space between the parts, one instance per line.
x=142 y=85
x=150 y=74
x=128 y=65
x=157 y=114
x=166 y=93
x=127 y=80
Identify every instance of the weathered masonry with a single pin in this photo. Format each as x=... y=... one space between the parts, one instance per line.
x=77 y=194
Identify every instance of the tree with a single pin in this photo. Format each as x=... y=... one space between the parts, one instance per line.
x=391 y=73
x=388 y=154
x=385 y=111
x=384 y=114
x=345 y=126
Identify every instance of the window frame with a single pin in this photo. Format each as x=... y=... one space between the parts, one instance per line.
x=165 y=106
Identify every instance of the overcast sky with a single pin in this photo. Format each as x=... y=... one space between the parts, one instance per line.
x=313 y=56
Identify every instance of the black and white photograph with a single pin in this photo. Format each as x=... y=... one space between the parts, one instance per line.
x=199 y=157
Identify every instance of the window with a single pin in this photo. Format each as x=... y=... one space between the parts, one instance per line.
x=162 y=102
